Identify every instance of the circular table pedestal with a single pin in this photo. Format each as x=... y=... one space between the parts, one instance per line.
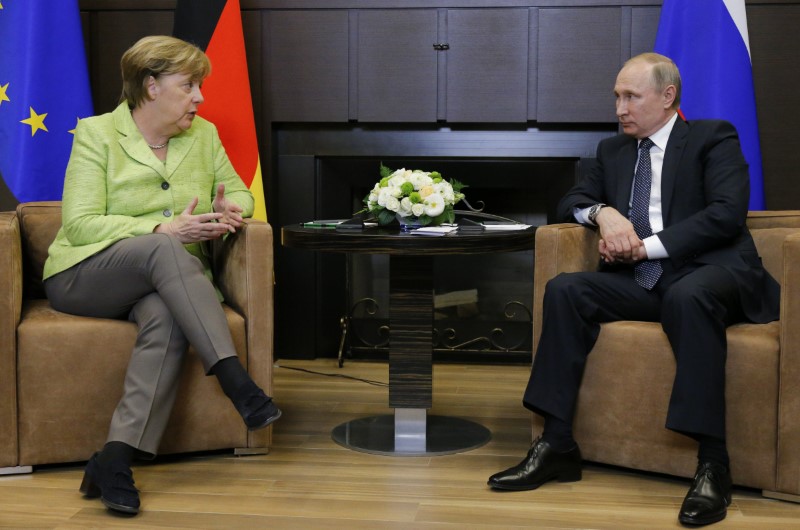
x=444 y=435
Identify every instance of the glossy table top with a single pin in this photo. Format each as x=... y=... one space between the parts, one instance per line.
x=390 y=240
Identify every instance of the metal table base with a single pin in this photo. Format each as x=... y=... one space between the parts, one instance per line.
x=411 y=432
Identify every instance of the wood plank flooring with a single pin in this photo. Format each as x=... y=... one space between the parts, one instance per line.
x=309 y=482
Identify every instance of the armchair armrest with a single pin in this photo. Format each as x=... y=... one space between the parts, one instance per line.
x=788 y=477
x=10 y=310
x=567 y=247
x=244 y=273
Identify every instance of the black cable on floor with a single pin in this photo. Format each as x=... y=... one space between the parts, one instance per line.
x=344 y=376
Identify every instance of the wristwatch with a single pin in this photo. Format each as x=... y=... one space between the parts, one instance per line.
x=593 y=211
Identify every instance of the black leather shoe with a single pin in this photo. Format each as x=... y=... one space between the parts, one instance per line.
x=541 y=465
x=256 y=408
x=709 y=497
x=113 y=484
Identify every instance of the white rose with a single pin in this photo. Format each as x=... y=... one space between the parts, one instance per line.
x=418 y=209
x=444 y=189
x=405 y=207
x=383 y=195
x=396 y=191
x=449 y=195
x=420 y=180
x=434 y=205
x=393 y=204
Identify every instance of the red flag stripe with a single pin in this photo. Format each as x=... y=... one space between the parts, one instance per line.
x=227 y=91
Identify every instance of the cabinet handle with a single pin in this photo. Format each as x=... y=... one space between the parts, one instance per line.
x=441 y=47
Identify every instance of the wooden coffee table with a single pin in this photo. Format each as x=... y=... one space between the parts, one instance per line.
x=410 y=431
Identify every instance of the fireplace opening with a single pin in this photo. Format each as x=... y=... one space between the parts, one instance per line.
x=483 y=302
x=323 y=171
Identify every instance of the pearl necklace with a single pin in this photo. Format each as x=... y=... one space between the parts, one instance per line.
x=159 y=146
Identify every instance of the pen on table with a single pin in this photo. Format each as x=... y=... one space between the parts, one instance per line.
x=321 y=224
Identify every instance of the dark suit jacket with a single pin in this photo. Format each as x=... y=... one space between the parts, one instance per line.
x=705 y=191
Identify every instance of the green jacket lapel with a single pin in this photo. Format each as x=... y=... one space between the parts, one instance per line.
x=132 y=141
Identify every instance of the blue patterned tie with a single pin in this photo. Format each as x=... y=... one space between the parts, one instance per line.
x=646 y=272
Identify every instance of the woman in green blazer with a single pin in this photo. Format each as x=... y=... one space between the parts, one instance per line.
x=146 y=186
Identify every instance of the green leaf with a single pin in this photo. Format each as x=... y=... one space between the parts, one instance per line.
x=457 y=186
x=385 y=216
x=385 y=171
x=449 y=216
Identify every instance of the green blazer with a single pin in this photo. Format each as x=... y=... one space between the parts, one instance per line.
x=116 y=188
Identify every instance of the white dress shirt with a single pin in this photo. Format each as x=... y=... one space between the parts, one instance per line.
x=655 y=249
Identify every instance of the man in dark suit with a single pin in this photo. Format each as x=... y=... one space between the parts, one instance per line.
x=670 y=200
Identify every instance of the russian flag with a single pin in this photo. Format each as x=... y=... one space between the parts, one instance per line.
x=708 y=41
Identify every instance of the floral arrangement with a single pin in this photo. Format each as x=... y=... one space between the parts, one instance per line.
x=413 y=197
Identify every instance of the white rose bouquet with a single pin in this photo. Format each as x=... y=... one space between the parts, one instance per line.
x=413 y=197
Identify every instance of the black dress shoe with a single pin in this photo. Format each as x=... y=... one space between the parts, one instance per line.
x=709 y=497
x=113 y=484
x=541 y=465
x=256 y=408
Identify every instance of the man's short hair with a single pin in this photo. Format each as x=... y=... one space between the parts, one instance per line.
x=664 y=73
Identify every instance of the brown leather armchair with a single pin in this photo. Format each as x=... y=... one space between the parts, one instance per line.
x=61 y=375
x=623 y=424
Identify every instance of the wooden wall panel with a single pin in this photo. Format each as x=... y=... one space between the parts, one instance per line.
x=774 y=48
x=113 y=32
x=397 y=65
x=579 y=57
x=308 y=65
x=487 y=65
x=644 y=25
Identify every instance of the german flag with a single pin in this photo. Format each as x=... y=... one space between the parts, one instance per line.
x=215 y=26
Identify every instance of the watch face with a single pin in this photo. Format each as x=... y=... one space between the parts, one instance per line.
x=593 y=211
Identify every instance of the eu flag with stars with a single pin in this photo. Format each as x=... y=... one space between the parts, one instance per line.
x=44 y=91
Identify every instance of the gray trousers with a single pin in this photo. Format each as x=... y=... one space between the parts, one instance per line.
x=153 y=281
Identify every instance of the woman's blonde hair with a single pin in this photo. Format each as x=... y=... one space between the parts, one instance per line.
x=157 y=55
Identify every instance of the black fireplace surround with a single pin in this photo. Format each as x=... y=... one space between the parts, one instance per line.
x=324 y=172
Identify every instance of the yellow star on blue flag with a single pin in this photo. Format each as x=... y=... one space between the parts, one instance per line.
x=3 y=95
x=44 y=86
x=36 y=121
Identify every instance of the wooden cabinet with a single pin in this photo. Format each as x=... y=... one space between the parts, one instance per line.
x=397 y=65
x=589 y=41
x=501 y=65
x=457 y=65
x=307 y=75
x=399 y=75
x=487 y=65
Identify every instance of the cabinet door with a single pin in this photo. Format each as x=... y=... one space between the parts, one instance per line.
x=579 y=58
x=487 y=65
x=644 y=26
x=308 y=65
x=397 y=65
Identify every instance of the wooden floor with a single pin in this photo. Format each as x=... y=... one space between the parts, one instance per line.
x=310 y=482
